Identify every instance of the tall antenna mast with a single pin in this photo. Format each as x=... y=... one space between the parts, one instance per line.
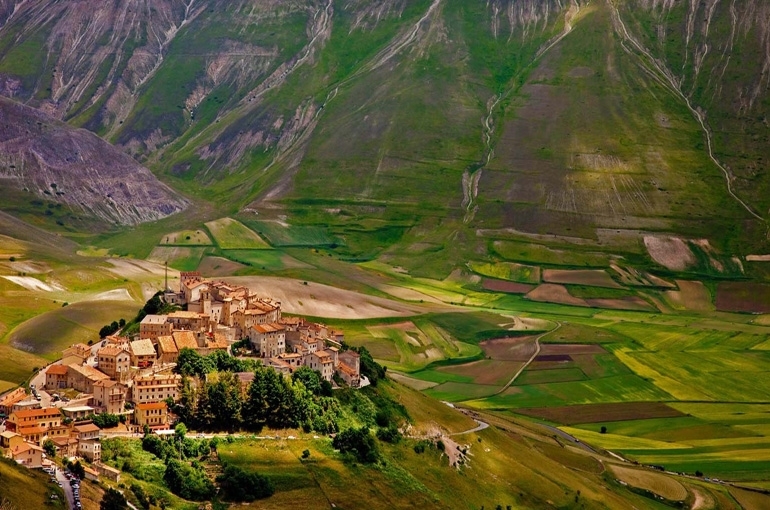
x=166 y=276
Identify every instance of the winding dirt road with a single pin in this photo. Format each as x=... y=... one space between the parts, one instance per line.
x=530 y=360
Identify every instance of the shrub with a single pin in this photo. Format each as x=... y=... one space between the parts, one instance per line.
x=359 y=443
x=240 y=485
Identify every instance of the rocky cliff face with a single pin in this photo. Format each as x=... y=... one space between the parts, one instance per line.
x=76 y=168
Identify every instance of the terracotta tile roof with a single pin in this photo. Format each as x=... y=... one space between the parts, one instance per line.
x=106 y=383
x=88 y=427
x=323 y=354
x=166 y=344
x=151 y=405
x=344 y=368
x=143 y=347
x=110 y=351
x=185 y=339
x=219 y=342
x=23 y=448
x=57 y=370
x=37 y=413
x=31 y=429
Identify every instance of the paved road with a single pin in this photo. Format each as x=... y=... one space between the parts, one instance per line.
x=481 y=426
x=67 y=488
x=577 y=442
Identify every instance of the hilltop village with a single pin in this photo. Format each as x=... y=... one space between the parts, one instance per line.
x=134 y=378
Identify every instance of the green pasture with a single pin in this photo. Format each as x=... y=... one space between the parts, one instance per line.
x=187 y=238
x=231 y=234
x=282 y=234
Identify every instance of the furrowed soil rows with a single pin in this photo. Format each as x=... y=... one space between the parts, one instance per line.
x=599 y=413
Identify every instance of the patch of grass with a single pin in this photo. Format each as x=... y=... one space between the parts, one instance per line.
x=187 y=238
x=231 y=234
x=28 y=488
x=291 y=235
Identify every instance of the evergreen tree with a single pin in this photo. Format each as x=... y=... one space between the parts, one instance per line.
x=113 y=500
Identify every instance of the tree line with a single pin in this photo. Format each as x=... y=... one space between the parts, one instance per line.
x=218 y=402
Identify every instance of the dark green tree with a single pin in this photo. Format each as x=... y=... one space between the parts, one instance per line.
x=113 y=500
x=50 y=448
x=359 y=443
x=240 y=485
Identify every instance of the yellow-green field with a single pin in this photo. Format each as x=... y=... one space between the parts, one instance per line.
x=230 y=234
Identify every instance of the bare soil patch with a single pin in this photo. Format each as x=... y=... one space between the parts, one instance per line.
x=30 y=283
x=558 y=358
x=408 y=294
x=670 y=252
x=591 y=277
x=491 y=372
x=506 y=286
x=139 y=268
x=743 y=297
x=320 y=300
x=553 y=293
x=758 y=258
x=571 y=349
x=601 y=413
x=690 y=296
x=626 y=303
x=509 y=349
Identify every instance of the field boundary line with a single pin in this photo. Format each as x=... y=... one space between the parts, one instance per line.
x=530 y=360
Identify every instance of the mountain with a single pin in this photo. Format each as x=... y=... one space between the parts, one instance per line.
x=423 y=132
x=44 y=160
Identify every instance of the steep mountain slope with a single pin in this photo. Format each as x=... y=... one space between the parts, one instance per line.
x=422 y=131
x=44 y=160
x=717 y=55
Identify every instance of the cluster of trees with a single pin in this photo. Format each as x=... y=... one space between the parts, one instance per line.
x=185 y=479
x=191 y=363
x=238 y=484
x=271 y=399
x=106 y=420
x=111 y=328
x=359 y=443
x=113 y=500
x=188 y=481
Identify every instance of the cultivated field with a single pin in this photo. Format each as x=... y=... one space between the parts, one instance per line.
x=602 y=413
x=594 y=277
x=230 y=234
x=743 y=297
x=506 y=286
x=659 y=484
x=180 y=258
x=283 y=234
x=320 y=300
x=187 y=237
x=507 y=271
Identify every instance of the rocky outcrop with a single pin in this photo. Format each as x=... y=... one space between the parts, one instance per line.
x=76 y=168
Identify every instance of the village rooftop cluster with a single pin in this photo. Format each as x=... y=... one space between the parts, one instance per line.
x=134 y=377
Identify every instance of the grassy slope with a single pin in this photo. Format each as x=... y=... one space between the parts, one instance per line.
x=25 y=488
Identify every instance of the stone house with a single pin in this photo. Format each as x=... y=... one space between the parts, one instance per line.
x=152 y=414
x=114 y=361
x=10 y=439
x=143 y=353
x=90 y=449
x=110 y=396
x=56 y=377
x=153 y=326
x=167 y=349
x=28 y=455
x=323 y=362
x=83 y=377
x=269 y=340
x=156 y=388
x=77 y=354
